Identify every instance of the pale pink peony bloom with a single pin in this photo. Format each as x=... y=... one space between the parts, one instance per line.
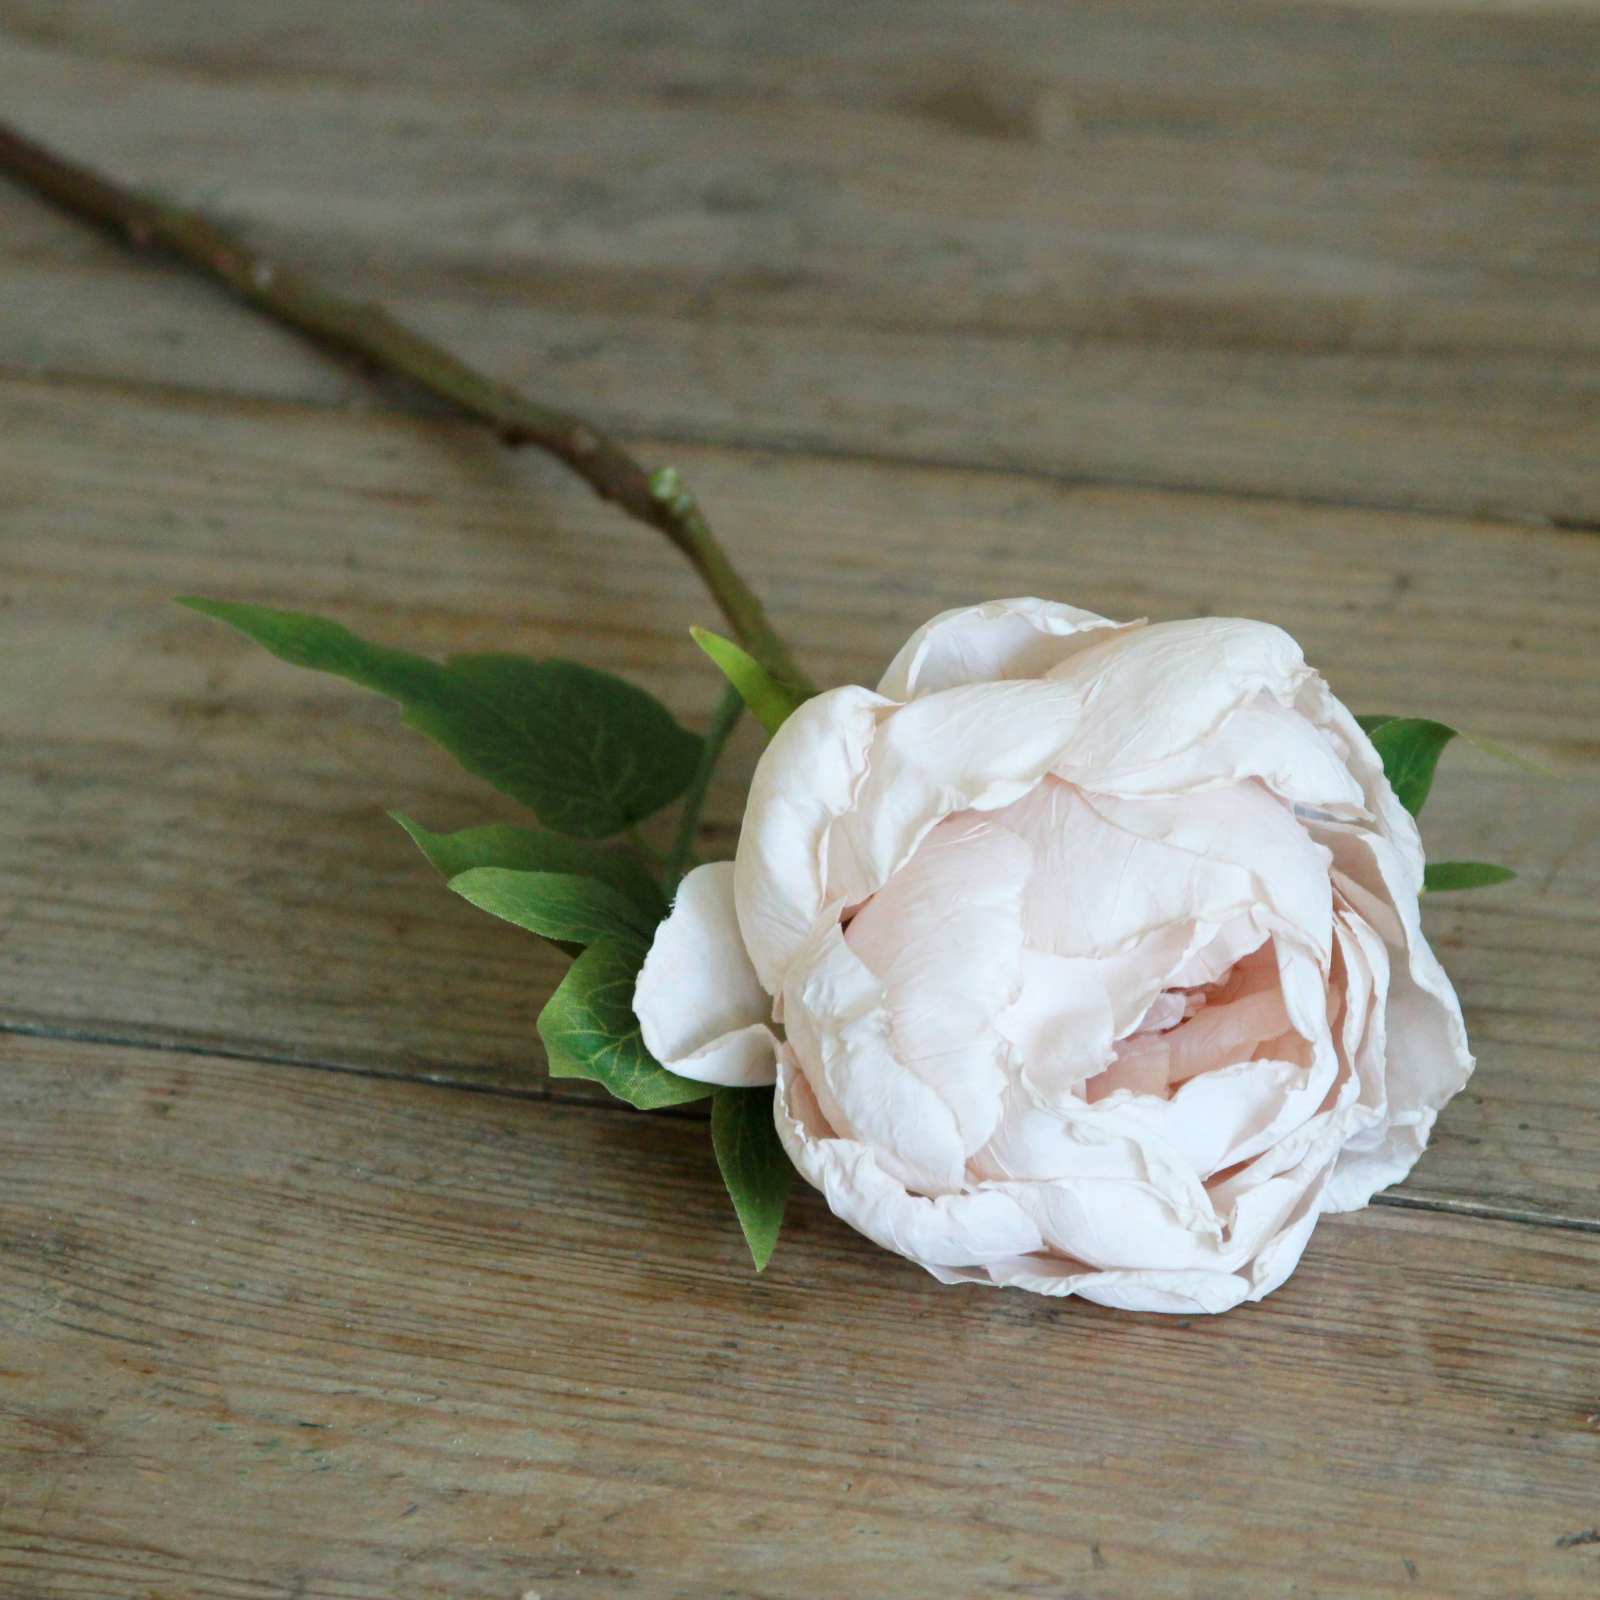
x=1085 y=957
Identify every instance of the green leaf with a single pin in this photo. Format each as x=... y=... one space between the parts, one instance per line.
x=527 y=850
x=1512 y=758
x=1371 y=724
x=1410 y=748
x=559 y=905
x=1441 y=875
x=589 y=753
x=589 y=1030
x=770 y=702
x=754 y=1165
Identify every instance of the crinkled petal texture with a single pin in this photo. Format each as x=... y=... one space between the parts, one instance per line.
x=1086 y=955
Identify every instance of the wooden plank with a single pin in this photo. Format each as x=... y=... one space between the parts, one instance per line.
x=276 y=1332
x=1348 y=254
x=195 y=850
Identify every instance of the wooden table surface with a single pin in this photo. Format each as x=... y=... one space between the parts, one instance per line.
x=311 y=1284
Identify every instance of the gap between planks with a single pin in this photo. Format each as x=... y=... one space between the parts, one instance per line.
x=380 y=405
x=549 y=1092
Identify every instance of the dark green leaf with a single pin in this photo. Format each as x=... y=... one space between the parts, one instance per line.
x=528 y=850
x=754 y=1165
x=590 y=1031
x=1371 y=724
x=1441 y=875
x=1410 y=748
x=589 y=753
x=559 y=905
x=770 y=702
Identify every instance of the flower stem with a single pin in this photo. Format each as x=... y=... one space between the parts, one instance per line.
x=386 y=345
x=681 y=855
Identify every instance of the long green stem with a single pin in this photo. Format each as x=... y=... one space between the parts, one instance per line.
x=385 y=344
x=681 y=853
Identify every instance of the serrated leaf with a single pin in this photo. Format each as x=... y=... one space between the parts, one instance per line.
x=770 y=702
x=754 y=1166
x=589 y=1030
x=558 y=905
x=587 y=752
x=1439 y=876
x=1410 y=748
x=499 y=844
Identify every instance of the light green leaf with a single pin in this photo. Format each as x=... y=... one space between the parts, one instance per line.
x=589 y=1030
x=559 y=905
x=528 y=850
x=1441 y=875
x=589 y=753
x=1512 y=758
x=770 y=702
x=754 y=1165
x=1410 y=748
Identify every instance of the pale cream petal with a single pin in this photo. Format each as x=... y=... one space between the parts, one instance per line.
x=806 y=779
x=1021 y=638
x=701 y=1008
x=1150 y=695
x=976 y=748
x=957 y=1230
x=1061 y=1022
x=1168 y=1293
x=1427 y=1059
x=1261 y=739
x=945 y=937
x=840 y=1030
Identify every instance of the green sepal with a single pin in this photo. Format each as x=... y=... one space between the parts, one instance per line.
x=771 y=703
x=1410 y=748
x=499 y=844
x=754 y=1165
x=559 y=906
x=589 y=753
x=1439 y=876
x=590 y=1031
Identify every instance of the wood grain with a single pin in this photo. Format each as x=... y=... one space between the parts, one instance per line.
x=468 y=1346
x=197 y=848
x=1279 y=248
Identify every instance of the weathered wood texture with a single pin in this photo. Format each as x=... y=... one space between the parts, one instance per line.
x=405 y=1342
x=271 y=1330
x=208 y=824
x=1274 y=247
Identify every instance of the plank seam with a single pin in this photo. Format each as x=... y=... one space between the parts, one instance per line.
x=1469 y=1209
x=380 y=407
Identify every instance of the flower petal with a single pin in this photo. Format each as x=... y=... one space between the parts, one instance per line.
x=1261 y=739
x=956 y=1230
x=1022 y=638
x=700 y=1006
x=945 y=937
x=975 y=748
x=1150 y=695
x=806 y=779
x=840 y=1030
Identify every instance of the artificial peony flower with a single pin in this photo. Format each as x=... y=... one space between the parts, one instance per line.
x=1085 y=957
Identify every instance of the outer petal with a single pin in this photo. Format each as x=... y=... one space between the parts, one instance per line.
x=701 y=1008
x=1151 y=695
x=958 y=1230
x=975 y=748
x=806 y=779
x=945 y=937
x=841 y=1033
x=1261 y=739
x=1021 y=638
x=1428 y=1060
